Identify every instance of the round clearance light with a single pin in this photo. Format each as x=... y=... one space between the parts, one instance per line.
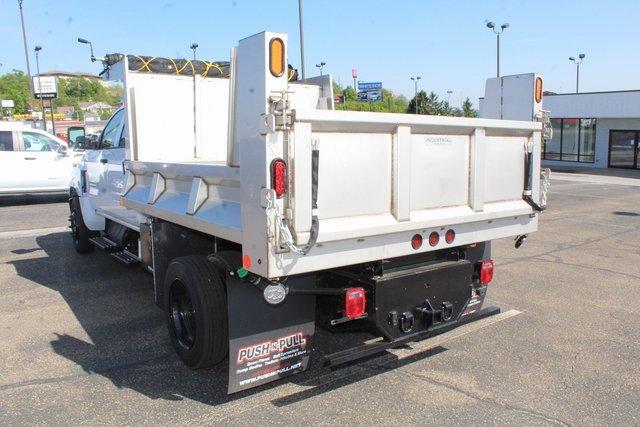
x=450 y=236
x=434 y=238
x=416 y=241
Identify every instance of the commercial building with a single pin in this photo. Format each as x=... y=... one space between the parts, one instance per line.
x=594 y=129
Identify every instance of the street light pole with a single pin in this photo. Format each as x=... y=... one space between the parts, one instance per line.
x=577 y=62
x=449 y=92
x=37 y=49
x=415 y=92
x=497 y=32
x=24 y=41
x=321 y=66
x=301 y=37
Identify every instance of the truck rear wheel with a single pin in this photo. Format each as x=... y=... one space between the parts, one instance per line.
x=79 y=231
x=196 y=311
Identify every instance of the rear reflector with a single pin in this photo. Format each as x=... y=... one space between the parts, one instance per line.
x=355 y=302
x=434 y=238
x=276 y=57
x=538 y=90
x=279 y=177
x=486 y=271
x=450 y=236
x=416 y=241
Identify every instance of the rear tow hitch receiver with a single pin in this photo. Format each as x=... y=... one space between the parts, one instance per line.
x=406 y=322
x=447 y=311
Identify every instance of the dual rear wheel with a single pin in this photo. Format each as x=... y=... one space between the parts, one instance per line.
x=196 y=311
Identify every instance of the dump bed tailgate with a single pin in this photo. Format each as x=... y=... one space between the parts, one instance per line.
x=384 y=177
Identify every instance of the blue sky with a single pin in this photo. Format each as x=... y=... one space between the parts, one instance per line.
x=444 y=42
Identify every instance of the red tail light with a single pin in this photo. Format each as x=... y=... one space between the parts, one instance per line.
x=486 y=271
x=434 y=238
x=279 y=177
x=450 y=236
x=416 y=241
x=355 y=302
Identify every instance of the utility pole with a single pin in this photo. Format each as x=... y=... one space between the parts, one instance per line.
x=497 y=32
x=26 y=51
x=301 y=37
x=37 y=49
x=415 y=92
x=577 y=62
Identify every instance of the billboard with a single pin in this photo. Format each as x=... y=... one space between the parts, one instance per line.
x=364 y=86
x=49 y=89
x=370 y=91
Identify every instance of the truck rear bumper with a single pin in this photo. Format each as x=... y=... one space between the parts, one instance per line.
x=366 y=350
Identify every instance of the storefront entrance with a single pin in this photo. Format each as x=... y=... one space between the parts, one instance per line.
x=624 y=150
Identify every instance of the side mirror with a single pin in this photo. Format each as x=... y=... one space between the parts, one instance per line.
x=61 y=150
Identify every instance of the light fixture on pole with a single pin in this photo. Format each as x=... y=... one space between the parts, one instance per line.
x=93 y=57
x=449 y=92
x=497 y=32
x=577 y=62
x=37 y=50
x=415 y=91
x=321 y=66
x=194 y=47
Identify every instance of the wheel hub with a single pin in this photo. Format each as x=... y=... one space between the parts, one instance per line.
x=182 y=315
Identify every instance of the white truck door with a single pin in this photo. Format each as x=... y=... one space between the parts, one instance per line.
x=104 y=165
x=49 y=168
x=11 y=176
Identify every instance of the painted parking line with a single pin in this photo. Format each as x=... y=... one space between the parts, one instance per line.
x=6 y=235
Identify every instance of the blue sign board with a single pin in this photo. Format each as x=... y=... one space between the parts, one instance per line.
x=369 y=86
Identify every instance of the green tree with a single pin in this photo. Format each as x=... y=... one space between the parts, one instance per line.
x=468 y=110
x=15 y=86
x=349 y=94
x=425 y=104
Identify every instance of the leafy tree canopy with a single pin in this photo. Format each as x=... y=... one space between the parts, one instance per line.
x=15 y=86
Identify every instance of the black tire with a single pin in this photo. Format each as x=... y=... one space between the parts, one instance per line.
x=196 y=311
x=79 y=231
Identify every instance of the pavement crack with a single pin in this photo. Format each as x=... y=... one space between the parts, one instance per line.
x=475 y=396
x=84 y=373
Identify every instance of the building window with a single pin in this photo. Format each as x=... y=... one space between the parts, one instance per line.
x=574 y=140
x=587 y=140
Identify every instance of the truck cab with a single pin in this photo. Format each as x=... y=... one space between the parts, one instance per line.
x=101 y=173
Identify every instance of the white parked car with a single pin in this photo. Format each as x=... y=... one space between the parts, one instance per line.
x=33 y=161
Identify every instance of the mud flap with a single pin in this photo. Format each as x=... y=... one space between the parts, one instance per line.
x=268 y=342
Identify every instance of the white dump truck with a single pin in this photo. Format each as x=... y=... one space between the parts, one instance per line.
x=263 y=213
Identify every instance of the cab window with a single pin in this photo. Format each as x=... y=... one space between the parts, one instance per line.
x=110 y=137
x=6 y=140
x=33 y=141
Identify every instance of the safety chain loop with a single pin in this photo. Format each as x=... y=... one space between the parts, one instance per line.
x=281 y=227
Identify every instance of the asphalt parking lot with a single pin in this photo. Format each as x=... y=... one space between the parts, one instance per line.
x=82 y=341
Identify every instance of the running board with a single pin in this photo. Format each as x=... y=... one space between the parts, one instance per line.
x=366 y=350
x=126 y=257
x=104 y=243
